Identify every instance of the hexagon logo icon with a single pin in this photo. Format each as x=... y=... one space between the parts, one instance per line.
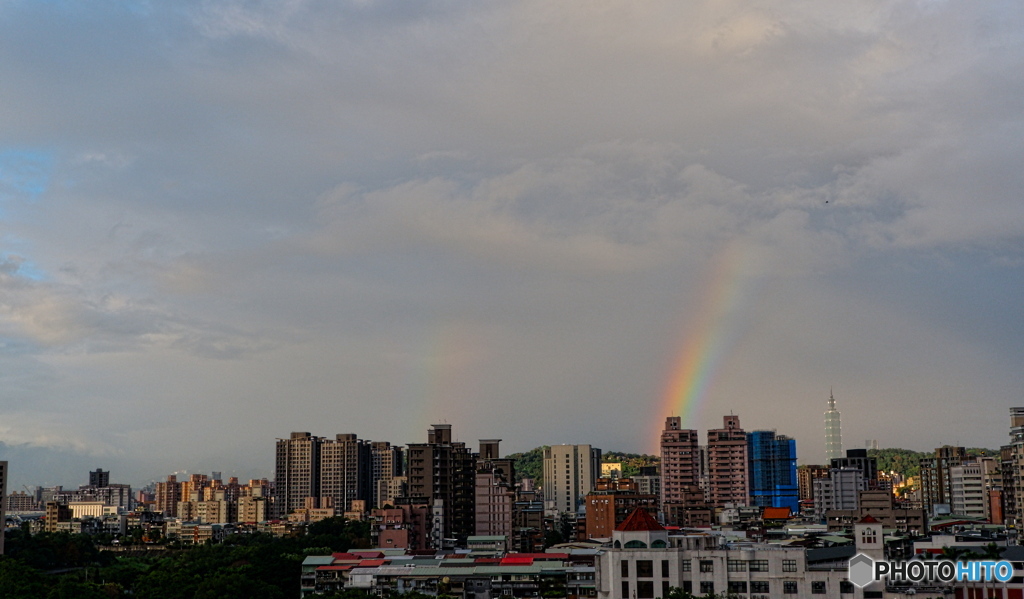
x=862 y=570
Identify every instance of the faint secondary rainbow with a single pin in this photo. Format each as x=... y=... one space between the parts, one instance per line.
x=712 y=331
x=443 y=375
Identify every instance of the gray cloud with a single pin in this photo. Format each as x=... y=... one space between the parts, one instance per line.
x=301 y=214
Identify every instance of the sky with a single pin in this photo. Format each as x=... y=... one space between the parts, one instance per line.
x=547 y=222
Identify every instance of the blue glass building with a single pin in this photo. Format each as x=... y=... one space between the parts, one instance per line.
x=772 y=470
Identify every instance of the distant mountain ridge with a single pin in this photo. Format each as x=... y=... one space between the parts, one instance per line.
x=530 y=464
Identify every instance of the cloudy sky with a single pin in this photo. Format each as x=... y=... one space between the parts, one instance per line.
x=548 y=222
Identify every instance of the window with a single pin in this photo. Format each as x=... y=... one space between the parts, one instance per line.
x=789 y=565
x=687 y=586
x=735 y=565
x=868 y=536
x=758 y=565
x=664 y=568
x=644 y=568
x=738 y=586
x=789 y=587
x=707 y=587
x=665 y=588
x=845 y=587
x=645 y=589
x=817 y=587
x=625 y=568
x=687 y=565
x=707 y=565
x=759 y=586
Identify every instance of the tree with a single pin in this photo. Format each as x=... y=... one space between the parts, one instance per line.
x=19 y=581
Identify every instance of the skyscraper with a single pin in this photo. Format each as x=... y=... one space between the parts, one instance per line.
x=727 y=464
x=833 y=431
x=344 y=471
x=442 y=475
x=680 y=460
x=387 y=463
x=297 y=472
x=569 y=474
x=772 y=467
x=3 y=500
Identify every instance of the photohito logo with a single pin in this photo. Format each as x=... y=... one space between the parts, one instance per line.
x=864 y=570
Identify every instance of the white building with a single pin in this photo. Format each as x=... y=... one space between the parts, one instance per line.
x=967 y=490
x=645 y=562
x=569 y=474
x=839 y=491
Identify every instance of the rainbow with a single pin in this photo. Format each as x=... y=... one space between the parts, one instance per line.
x=443 y=374
x=712 y=331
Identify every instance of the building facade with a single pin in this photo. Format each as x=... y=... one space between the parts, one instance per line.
x=680 y=462
x=727 y=464
x=569 y=474
x=442 y=474
x=772 y=468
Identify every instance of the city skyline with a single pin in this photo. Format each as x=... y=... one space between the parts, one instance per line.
x=221 y=222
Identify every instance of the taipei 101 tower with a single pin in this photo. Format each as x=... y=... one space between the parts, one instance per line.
x=833 y=432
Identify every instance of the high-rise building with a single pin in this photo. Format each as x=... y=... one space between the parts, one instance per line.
x=168 y=494
x=680 y=461
x=344 y=471
x=99 y=478
x=805 y=476
x=727 y=464
x=840 y=491
x=833 y=431
x=858 y=458
x=442 y=473
x=495 y=492
x=3 y=494
x=1012 y=466
x=772 y=470
x=935 y=481
x=967 y=490
x=297 y=472
x=569 y=474
x=387 y=464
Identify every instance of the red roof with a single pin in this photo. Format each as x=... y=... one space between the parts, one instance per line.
x=638 y=521
x=346 y=567
x=487 y=560
x=372 y=563
x=867 y=520
x=517 y=561
x=776 y=513
x=368 y=554
x=346 y=557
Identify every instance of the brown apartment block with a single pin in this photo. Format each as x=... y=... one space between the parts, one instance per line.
x=692 y=512
x=444 y=470
x=935 y=480
x=805 y=476
x=495 y=491
x=727 y=464
x=3 y=496
x=401 y=527
x=611 y=503
x=680 y=463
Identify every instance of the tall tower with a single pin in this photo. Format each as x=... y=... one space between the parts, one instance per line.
x=772 y=470
x=833 y=432
x=727 y=464
x=569 y=474
x=680 y=461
